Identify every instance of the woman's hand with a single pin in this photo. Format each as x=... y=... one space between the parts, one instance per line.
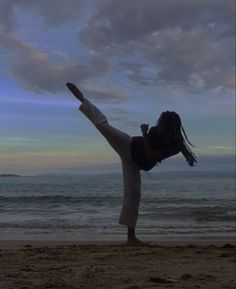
x=147 y=146
x=144 y=128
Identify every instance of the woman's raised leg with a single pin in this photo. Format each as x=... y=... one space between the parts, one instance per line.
x=120 y=142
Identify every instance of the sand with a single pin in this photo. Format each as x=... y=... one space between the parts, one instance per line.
x=83 y=265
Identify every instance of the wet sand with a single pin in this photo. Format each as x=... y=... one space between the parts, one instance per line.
x=115 y=265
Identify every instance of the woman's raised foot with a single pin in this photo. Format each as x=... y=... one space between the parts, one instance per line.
x=76 y=92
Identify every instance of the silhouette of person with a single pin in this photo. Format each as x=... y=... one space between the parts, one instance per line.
x=138 y=153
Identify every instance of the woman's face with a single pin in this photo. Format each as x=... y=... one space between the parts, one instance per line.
x=161 y=128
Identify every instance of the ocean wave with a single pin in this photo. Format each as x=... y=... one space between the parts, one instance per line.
x=56 y=199
x=74 y=206
x=196 y=214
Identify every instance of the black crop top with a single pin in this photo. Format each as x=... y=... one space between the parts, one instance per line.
x=164 y=151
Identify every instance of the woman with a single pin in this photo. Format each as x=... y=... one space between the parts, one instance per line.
x=138 y=153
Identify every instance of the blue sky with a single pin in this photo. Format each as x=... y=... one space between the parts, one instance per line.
x=134 y=59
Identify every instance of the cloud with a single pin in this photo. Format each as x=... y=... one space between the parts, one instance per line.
x=104 y=95
x=33 y=68
x=180 y=38
x=37 y=72
x=6 y=13
x=184 y=42
x=54 y=12
x=27 y=63
x=125 y=119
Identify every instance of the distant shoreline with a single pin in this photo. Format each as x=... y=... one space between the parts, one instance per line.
x=10 y=175
x=154 y=173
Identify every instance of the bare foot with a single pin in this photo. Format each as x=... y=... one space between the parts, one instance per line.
x=133 y=241
x=74 y=89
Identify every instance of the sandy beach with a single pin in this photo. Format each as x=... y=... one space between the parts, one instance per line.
x=77 y=265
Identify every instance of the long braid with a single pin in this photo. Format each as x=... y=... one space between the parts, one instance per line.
x=186 y=136
x=173 y=124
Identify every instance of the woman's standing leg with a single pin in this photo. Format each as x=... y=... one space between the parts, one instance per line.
x=131 y=199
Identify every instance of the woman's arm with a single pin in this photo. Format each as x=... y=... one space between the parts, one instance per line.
x=150 y=153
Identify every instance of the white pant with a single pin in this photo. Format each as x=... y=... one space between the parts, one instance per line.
x=121 y=143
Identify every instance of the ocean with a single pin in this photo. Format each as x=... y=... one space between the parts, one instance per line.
x=87 y=207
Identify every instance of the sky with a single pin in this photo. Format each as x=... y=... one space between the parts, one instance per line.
x=133 y=59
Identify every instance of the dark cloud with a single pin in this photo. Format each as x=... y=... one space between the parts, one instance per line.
x=6 y=13
x=172 y=41
x=31 y=66
x=182 y=38
x=27 y=63
x=103 y=95
x=54 y=12
x=34 y=69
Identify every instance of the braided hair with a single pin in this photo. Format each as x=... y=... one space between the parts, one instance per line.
x=172 y=122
